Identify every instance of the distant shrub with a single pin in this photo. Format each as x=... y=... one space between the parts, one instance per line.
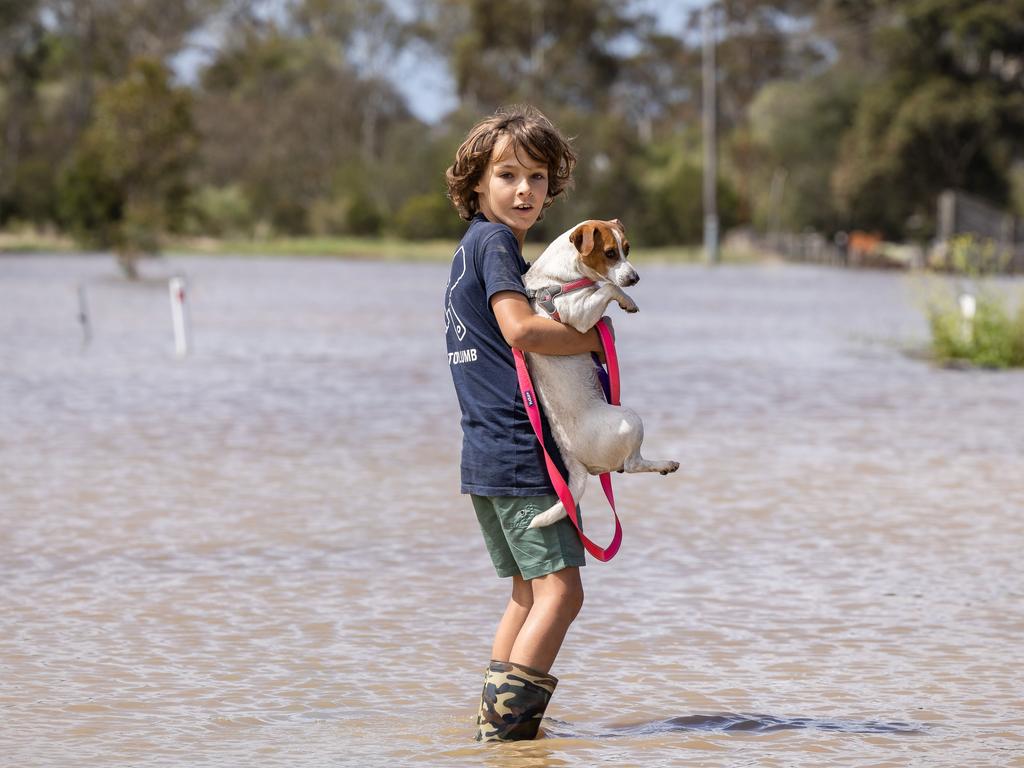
x=89 y=204
x=429 y=216
x=356 y=213
x=971 y=255
x=328 y=216
x=219 y=211
x=673 y=208
x=126 y=180
x=144 y=220
x=363 y=216
x=993 y=338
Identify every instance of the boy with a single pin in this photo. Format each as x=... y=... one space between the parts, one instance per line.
x=508 y=170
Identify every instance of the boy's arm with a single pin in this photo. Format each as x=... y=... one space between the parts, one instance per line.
x=525 y=330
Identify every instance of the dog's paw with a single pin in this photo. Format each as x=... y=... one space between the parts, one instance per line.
x=670 y=466
x=629 y=306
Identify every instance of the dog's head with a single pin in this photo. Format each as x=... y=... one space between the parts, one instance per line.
x=604 y=251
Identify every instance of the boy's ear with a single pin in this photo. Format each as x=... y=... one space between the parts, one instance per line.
x=583 y=237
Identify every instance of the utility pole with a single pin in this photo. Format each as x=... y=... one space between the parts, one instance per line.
x=710 y=136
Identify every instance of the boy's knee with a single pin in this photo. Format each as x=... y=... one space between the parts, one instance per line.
x=566 y=597
x=522 y=593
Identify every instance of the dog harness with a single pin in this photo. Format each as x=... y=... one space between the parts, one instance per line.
x=610 y=381
x=546 y=296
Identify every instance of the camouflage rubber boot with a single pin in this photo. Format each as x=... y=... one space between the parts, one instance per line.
x=513 y=702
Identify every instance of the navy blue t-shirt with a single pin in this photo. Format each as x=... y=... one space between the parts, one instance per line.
x=500 y=453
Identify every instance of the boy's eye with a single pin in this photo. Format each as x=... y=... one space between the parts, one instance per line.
x=539 y=176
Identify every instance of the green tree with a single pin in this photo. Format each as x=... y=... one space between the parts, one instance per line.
x=795 y=128
x=55 y=56
x=135 y=157
x=947 y=112
x=670 y=208
x=22 y=61
x=548 y=52
x=758 y=42
x=283 y=114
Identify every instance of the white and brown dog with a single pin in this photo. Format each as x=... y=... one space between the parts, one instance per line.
x=592 y=436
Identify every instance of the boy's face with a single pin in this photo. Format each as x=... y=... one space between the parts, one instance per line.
x=513 y=188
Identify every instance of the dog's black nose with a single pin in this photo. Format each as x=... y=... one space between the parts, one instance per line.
x=633 y=279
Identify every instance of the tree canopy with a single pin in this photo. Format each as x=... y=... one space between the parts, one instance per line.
x=124 y=119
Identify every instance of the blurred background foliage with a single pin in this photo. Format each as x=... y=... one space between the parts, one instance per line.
x=833 y=115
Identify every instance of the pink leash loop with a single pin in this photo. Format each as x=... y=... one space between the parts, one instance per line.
x=526 y=391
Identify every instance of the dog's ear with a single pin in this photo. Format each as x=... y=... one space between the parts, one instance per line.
x=583 y=237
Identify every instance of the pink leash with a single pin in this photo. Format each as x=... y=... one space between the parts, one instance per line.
x=533 y=411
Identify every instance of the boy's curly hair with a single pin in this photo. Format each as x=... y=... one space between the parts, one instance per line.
x=528 y=129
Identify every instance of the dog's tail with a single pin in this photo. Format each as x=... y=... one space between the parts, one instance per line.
x=547 y=517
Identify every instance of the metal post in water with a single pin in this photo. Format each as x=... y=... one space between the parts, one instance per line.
x=710 y=130
x=83 y=315
x=176 y=287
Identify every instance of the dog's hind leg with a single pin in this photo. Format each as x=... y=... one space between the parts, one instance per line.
x=630 y=433
x=577 y=484
x=637 y=463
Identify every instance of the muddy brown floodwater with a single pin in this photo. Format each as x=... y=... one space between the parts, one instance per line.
x=259 y=555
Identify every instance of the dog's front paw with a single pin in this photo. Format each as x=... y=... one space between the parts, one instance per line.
x=669 y=466
x=629 y=305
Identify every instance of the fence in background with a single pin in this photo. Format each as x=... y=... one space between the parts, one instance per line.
x=996 y=245
x=964 y=214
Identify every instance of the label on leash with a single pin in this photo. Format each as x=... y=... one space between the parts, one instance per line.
x=529 y=398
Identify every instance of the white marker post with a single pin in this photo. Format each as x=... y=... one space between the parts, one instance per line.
x=177 y=290
x=968 y=308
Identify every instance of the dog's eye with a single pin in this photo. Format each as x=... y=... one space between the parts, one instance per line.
x=610 y=253
x=626 y=250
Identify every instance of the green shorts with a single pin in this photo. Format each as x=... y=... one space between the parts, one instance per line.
x=517 y=549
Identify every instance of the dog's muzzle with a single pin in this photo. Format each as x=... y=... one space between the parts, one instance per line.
x=630 y=278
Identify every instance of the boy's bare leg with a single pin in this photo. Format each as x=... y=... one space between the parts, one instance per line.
x=518 y=609
x=557 y=599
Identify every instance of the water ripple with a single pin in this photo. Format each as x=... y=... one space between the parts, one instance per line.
x=259 y=555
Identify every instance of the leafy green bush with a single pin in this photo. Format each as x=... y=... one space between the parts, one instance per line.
x=429 y=216
x=993 y=338
x=130 y=172
x=220 y=211
x=363 y=216
x=672 y=211
x=356 y=213
x=89 y=203
x=970 y=255
x=328 y=217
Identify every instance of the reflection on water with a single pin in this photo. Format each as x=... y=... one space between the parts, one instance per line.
x=259 y=554
x=734 y=722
